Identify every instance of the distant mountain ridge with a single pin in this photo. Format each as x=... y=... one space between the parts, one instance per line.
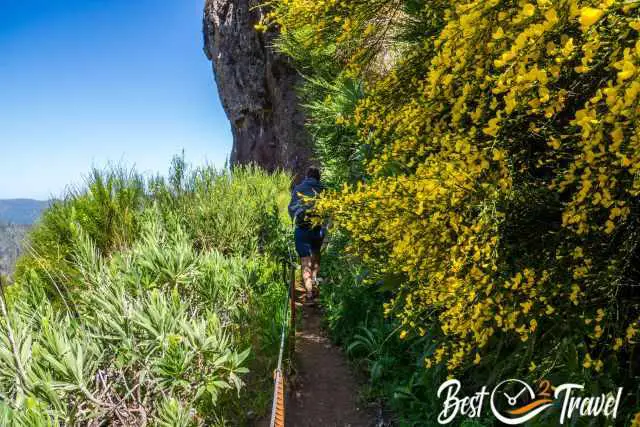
x=21 y=211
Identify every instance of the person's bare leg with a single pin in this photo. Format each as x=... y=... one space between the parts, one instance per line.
x=315 y=265
x=307 y=274
x=315 y=269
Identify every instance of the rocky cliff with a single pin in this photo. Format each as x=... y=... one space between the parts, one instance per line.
x=256 y=86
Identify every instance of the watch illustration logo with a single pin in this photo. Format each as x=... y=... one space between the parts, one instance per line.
x=517 y=414
x=514 y=402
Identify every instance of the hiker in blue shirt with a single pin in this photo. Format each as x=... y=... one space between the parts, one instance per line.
x=308 y=237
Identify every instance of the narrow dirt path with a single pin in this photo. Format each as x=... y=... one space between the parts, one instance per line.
x=324 y=392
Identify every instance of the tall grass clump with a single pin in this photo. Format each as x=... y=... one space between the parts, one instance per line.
x=233 y=212
x=136 y=305
x=237 y=212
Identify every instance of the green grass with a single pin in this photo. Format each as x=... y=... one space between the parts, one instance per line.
x=148 y=300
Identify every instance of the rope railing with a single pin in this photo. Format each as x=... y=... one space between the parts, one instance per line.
x=288 y=324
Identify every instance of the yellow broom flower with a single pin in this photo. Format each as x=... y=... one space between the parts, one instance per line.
x=589 y=16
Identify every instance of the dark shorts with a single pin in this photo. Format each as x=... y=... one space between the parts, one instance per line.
x=308 y=241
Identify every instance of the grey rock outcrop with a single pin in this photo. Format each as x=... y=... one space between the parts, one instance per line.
x=256 y=87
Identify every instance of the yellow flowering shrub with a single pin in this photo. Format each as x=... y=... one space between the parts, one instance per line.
x=503 y=168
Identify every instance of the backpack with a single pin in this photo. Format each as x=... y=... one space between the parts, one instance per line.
x=302 y=216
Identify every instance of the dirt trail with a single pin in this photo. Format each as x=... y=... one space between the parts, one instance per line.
x=324 y=391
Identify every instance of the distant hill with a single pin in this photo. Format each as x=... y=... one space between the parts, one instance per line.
x=21 y=211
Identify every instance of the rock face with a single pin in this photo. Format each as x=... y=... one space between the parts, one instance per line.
x=256 y=86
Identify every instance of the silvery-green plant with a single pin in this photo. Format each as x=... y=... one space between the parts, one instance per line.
x=121 y=354
x=153 y=327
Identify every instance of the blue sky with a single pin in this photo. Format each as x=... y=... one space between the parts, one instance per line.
x=90 y=82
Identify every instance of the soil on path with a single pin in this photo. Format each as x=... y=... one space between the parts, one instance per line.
x=324 y=391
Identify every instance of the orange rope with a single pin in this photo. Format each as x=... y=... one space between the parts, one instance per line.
x=278 y=408
x=278 y=418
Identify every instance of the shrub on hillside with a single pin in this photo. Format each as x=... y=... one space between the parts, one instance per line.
x=141 y=308
x=239 y=212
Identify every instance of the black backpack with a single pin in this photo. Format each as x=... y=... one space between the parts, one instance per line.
x=303 y=218
x=302 y=203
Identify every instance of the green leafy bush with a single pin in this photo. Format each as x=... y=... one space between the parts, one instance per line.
x=138 y=304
